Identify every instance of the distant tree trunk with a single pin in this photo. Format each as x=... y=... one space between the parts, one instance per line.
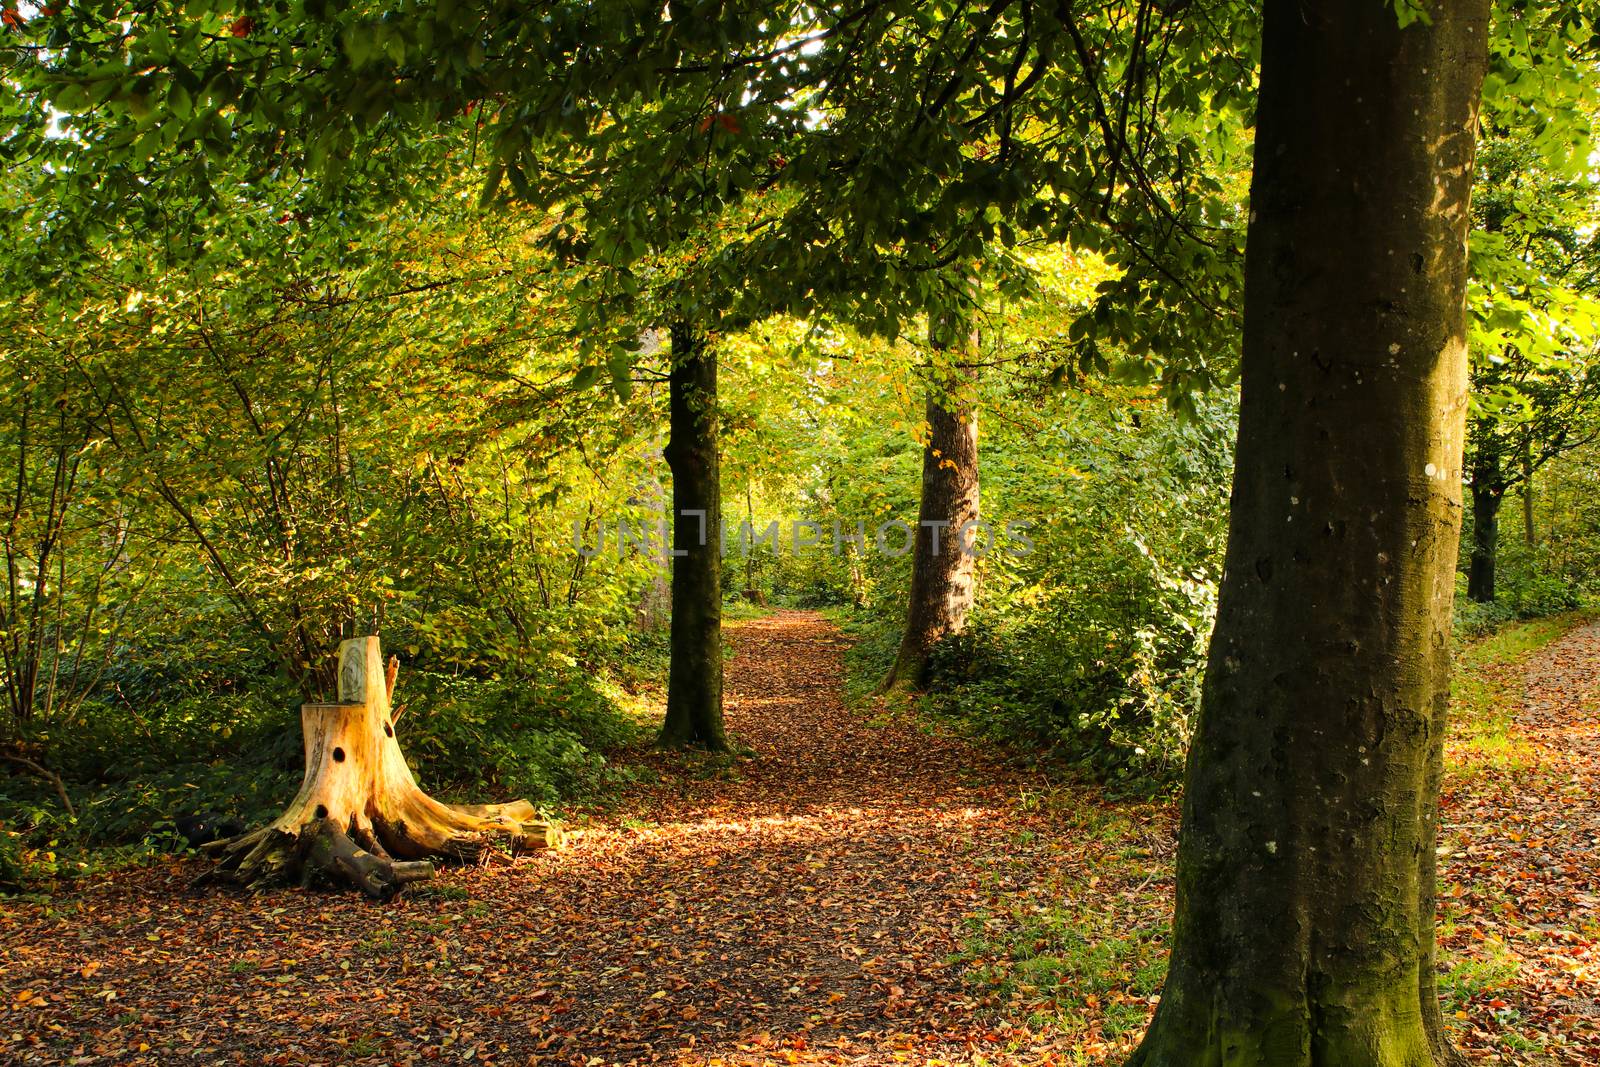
x=749 y=557
x=858 y=576
x=655 y=602
x=1529 y=534
x=694 y=685
x=1486 y=500
x=941 y=567
x=1303 y=934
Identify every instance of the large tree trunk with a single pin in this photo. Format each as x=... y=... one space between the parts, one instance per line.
x=1303 y=934
x=694 y=684
x=941 y=564
x=1486 y=500
x=360 y=817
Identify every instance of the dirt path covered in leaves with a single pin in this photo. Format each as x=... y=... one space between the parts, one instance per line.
x=1520 y=863
x=855 y=892
x=799 y=906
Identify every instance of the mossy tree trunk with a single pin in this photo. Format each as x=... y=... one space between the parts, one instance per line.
x=694 y=684
x=360 y=818
x=942 y=564
x=1303 y=934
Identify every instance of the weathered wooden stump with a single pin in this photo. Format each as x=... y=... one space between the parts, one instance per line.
x=360 y=818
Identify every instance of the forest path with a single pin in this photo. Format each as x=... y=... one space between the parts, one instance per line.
x=807 y=904
x=1520 y=866
x=800 y=905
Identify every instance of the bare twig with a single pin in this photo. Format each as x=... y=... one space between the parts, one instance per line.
x=48 y=775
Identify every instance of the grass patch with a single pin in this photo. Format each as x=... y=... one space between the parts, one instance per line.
x=1488 y=693
x=1517 y=639
x=1082 y=952
x=434 y=890
x=1070 y=969
x=737 y=610
x=1471 y=978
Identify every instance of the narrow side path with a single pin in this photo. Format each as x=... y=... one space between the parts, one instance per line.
x=1520 y=864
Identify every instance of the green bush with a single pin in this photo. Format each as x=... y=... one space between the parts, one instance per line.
x=1108 y=683
x=1091 y=648
x=539 y=738
x=1473 y=619
x=1530 y=583
x=1547 y=594
x=14 y=874
x=131 y=771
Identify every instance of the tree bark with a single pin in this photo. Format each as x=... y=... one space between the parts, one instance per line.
x=942 y=566
x=1529 y=534
x=1486 y=501
x=360 y=817
x=1303 y=932
x=694 y=684
x=751 y=593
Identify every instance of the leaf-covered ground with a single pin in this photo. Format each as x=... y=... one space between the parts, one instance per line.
x=856 y=892
x=1521 y=853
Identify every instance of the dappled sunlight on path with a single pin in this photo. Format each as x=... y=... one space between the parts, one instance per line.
x=855 y=890
x=799 y=904
x=1520 y=864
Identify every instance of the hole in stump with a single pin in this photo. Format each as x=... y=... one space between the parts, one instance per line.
x=388 y=729
x=338 y=755
x=322 y=811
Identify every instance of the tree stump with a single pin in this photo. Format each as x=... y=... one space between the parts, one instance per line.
x=360 y=818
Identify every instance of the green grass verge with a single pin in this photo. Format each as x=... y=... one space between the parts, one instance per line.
x=1487 y=692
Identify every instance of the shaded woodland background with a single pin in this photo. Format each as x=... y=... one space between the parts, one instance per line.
x=213 y=504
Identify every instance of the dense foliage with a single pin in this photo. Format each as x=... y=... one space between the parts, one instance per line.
x=326 y=322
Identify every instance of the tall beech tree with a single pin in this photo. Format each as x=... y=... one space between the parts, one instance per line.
x=694 y=685
x=942 y=565
x=1304 y=925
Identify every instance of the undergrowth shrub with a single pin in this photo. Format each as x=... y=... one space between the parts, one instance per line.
x=131 y=770
x=1090 y=648
x=1109 y=682
x=1530 y=583
x=539 y=738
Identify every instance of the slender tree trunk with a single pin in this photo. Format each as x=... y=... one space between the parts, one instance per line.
x=1529 y=534
x=655 y=602
x=749 y=557
x=1555 y=503
x=858 y=576
x=1486 y=501
x=1303 y=935
x=941 y=565
x=694 y=685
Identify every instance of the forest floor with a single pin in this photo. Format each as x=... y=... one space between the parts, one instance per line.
x=858 y=890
